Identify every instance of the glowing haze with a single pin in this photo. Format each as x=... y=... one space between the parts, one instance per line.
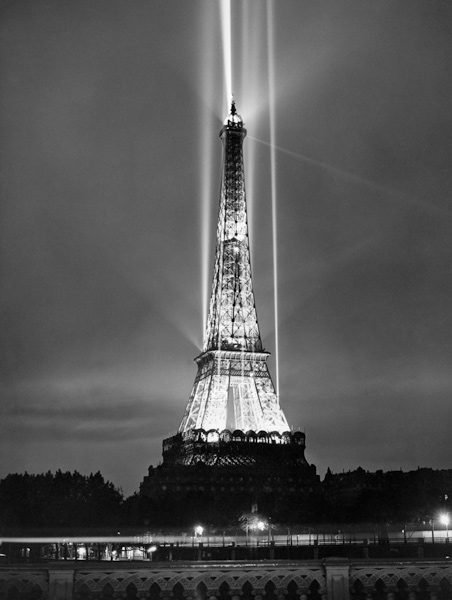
x=110 y=181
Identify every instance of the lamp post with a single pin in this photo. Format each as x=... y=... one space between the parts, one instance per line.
x=260 y=527
x=445 y=521
x=199 y=529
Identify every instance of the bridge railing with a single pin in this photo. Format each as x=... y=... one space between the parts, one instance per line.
x=328 y=579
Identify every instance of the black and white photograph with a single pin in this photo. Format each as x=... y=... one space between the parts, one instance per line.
x=226 y=275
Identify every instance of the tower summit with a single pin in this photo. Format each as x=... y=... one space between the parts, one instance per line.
x=233 y=388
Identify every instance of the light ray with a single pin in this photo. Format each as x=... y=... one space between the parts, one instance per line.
x=271 y=93
x=355 y=178
x=252 y=66
x=225 y=7
x=207 y=53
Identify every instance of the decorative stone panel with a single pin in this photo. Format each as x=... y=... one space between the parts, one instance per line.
x=402 y=580
x=213 y=581
x=22 y=584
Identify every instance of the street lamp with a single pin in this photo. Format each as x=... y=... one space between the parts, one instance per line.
x=198 y=531
x=260 y=526
x=444 y=519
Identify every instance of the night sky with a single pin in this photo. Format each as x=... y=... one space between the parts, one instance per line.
x=110 y=113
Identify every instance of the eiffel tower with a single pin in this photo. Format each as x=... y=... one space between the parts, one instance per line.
x=233 y=429
x=232 y=368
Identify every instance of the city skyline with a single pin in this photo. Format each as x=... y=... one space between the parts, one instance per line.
x=110 y=115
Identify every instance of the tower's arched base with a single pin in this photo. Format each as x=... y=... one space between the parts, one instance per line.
x=227 y=473
x=261 y=450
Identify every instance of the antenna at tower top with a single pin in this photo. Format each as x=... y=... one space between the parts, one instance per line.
x=233 y=109
x=233 y=119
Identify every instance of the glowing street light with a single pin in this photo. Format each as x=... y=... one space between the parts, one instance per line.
x=199 y=530
x=444 y=519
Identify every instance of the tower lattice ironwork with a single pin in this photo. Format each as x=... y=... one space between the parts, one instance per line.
x=234 y=440
x=233 y=387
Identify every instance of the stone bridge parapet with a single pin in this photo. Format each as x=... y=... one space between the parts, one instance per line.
x=328 y=579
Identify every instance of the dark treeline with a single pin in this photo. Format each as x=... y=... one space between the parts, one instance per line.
x=71 y=500
x=62 y=499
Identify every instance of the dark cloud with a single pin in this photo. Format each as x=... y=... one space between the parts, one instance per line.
x=110 y=113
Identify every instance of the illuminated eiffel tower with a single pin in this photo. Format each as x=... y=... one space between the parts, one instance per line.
x=232 y=369
x=233 y=402
x=234 y=440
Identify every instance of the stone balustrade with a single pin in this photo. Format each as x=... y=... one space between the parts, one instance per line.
x=328 y=579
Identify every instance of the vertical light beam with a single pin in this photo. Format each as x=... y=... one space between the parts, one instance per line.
x=207 y=87
x=225 y=6
x=208 y=56
x=206 y=187
x=271 y=94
